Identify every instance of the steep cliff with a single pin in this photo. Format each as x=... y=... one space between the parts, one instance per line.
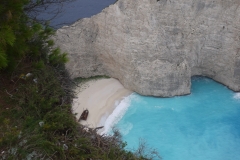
x=153 y=47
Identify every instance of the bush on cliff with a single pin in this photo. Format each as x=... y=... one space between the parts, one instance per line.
x=36 y=121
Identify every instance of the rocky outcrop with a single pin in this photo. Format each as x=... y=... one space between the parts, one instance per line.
x=154 y=47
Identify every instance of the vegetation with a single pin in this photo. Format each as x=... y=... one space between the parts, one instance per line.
x=81 y=80
x=36 y=121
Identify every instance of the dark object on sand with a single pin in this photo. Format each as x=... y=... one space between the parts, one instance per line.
x=84 y=115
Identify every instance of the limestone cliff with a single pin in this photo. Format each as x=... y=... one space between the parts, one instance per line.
x=153 y=47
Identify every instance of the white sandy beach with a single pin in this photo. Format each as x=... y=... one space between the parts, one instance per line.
x=100 y=97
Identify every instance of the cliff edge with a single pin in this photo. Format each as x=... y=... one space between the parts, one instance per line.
x=154 y=47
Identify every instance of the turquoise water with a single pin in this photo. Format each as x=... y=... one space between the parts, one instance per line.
x=204 y=125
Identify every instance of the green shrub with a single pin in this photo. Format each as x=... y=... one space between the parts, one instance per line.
x=36 y=93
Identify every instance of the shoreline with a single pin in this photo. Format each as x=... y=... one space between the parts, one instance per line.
x=100 y=97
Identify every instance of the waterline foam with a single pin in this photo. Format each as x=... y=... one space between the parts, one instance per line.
x=237 y=96
x=117 y=114
x=204 y=125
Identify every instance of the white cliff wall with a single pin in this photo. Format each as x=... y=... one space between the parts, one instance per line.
x=154 y=47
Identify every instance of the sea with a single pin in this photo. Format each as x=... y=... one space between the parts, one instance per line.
x=204 y=125
x=72 y=11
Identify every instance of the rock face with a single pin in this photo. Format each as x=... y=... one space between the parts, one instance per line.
x=153 y=47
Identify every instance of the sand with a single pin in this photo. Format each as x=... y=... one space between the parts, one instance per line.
x=100 y=97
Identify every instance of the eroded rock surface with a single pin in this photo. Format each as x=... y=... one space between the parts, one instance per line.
x=153 y=47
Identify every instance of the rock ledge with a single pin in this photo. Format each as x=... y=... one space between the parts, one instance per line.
x=155 y=47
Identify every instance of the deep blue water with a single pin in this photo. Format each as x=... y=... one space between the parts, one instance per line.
x=74 y=11
x=204 y=125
